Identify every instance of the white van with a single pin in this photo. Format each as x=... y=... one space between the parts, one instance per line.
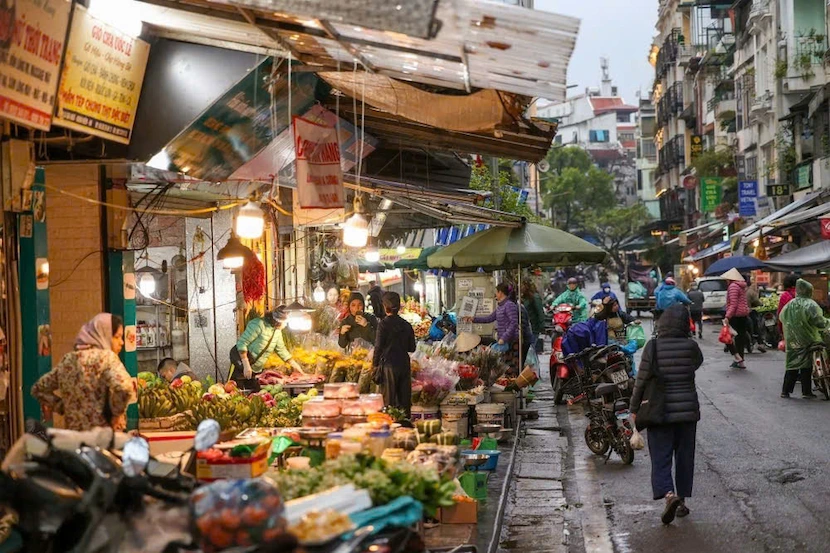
x=714 y=294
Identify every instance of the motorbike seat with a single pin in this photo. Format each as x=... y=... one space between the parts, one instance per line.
x=606 y=389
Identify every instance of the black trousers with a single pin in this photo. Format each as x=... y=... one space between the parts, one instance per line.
x=740 y=340
x=667 y=443
x=790 y=378
x=697 y=318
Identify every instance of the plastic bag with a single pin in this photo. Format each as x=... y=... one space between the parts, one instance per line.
x=636 y=333
x=500 y=348
x=782 y=346
x=637 y=441
x=532 y=359
x=725 y=336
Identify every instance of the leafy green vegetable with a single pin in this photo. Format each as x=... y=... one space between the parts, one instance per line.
x=383 y=480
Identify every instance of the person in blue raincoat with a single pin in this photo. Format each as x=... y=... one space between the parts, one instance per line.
x=604 y=292
x=669 y=294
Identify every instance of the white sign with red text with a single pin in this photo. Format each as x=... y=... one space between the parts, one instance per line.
x=32 y=35
x=319 y=175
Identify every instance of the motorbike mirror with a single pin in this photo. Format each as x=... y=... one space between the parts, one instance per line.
x=207 y=435
x=136 y=456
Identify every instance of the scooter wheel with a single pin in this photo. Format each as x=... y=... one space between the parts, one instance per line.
x=626 y=452
x=597 y=440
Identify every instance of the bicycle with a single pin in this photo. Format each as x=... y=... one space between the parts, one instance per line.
x=821 y=369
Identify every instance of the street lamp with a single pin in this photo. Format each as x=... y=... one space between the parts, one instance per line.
x=319 y=295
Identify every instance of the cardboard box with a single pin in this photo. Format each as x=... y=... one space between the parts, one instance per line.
x=165 y=442
x=461 y=513
x=252 y=467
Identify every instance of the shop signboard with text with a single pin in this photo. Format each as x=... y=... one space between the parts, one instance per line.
x=747 y=198
x=319 y=175
x=711 y=193
x=101 y=79
x=32 y=35
x=825 y=227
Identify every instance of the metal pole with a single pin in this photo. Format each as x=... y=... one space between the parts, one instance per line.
x=494 y=170
x=519 y=302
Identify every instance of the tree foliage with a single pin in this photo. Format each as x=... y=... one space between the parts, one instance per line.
x=614 y=226
x=509 y=198
x=574 y=186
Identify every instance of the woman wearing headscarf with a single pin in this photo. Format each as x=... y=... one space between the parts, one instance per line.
x=358 y=325
x=390 y=365
x=672 y=357
x=803 y=322
x=90 y=386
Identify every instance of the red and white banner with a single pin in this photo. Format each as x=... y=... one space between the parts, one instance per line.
x=825 y=227
x=319 y=175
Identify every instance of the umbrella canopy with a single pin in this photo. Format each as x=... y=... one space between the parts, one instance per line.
x=419 y=262
x=503 y=247
x=813 y=257
x=743 y=263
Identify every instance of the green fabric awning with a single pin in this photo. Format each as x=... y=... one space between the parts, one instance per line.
x=502 y=248
x=420 y=262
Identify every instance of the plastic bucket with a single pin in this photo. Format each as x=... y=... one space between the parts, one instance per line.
x=490 y=413
x=420 y=413
x=455 y=418
x=491 y=463
x=509 y=400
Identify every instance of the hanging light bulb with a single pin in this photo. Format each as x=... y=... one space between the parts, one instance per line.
x=233 y=254
x=298 y=318
x=418 y=287
x=250 y=222
x=147 y=285
x=372 y=254
x=356 y=229
x=401 y=249
x=319 y=295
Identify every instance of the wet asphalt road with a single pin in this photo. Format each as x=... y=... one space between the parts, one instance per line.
x=762 y=476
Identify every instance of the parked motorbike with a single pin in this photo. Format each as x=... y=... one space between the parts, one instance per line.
x=560 y=372
x=769 y=329
x=821 y=369
x=606 y=389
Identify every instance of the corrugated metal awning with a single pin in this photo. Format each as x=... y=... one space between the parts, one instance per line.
x=477 y=44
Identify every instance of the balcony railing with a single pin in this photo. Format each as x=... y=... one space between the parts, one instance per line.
x=672 y=154
x=809 y=50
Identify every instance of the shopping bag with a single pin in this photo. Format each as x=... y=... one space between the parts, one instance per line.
x=725 y=336
x=636 y=333
x=637 y=441
x=782 y=346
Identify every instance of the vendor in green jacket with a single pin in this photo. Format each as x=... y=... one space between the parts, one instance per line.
x=572 y=296
x=262 y=337
x=803 y=323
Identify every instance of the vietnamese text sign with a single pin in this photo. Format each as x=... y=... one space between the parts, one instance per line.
x=319 y=175
x=101 y=80
x=695 y=146
x=711 y=193
x=469 y=308
x=32 y=33
x=747 y=196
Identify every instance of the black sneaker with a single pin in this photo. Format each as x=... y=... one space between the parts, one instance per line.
x=672 y=503
x=682 y=510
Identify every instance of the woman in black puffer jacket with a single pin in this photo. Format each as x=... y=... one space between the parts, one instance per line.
x=676 y=356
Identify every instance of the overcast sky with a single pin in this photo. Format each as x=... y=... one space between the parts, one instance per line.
x=620 y=30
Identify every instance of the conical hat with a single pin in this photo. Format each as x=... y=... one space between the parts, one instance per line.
x=466 y=341
x=733 y=274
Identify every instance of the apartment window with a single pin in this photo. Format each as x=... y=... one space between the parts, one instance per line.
x=557 y=139
x=626 y=136
x=599 y=136
x=639 y=181
x=649 y=149
x=751 y=167
x=623 y=118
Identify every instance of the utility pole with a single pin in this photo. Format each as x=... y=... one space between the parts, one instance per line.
x=494 y=169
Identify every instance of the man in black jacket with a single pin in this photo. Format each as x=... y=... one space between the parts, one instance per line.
x=673 y=357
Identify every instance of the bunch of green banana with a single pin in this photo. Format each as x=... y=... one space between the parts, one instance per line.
x=155 y=403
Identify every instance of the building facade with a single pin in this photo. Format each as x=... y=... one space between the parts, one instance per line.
x=600 y=122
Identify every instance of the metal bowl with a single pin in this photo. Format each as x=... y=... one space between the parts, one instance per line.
x=487 y=429
x=475 y=459
x=314 y=433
